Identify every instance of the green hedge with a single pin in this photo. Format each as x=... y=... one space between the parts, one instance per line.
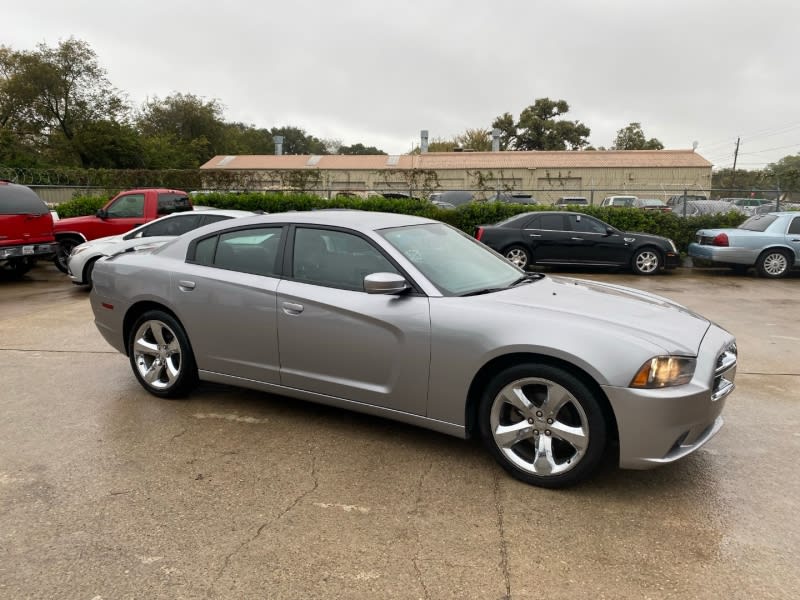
x=681 y=230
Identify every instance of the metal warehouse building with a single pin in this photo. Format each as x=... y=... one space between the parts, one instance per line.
x=547 y=175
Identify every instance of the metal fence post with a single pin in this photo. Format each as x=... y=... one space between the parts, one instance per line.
x=684 y=203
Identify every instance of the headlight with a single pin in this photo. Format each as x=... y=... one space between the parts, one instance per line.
x=78 y=249
x=664 y=371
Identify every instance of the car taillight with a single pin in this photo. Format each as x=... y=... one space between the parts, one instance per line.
x=721 y=239
x=478 y=233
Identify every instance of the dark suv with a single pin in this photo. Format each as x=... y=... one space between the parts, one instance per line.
x=26 y=228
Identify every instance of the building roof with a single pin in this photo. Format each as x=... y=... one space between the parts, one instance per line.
x=466 y=160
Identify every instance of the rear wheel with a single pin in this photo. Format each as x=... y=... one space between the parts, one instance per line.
x=774 y=264
x=518 y=255
x=65 y=246
x=161 y=356
x=646 y=261
x=543 y=425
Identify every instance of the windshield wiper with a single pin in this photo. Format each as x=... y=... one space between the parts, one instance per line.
x=527 y=278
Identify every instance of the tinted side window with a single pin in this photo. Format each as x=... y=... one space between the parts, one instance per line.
x=131 y=205
x=532 y=223
x=19 y=200
x=795 y=226
x=204 y=251
x=552 y=222
x=335 y=259
x=170 y=203
x=248 y=250
x=585 y=224
x=173 y=226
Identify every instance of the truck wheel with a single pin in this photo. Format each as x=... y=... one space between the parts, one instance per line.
x=65 y=246
x=17 y=266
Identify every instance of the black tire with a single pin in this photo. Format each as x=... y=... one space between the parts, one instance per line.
x=774 y=263
x=533 y=430
x=171 y=360
x=65 y=246
x=647 y=261
x=518 y=255
x=88 y=270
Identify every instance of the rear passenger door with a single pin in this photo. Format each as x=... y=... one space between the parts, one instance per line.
x=593 y=244
x=548 y=238
x=338 y=340
x=227 y=291
x=793 y=237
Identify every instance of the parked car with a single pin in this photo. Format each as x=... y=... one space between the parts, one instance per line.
x=770 y=243
x=410 y=319
x=678 y=198
x=81 y=261
x=619 y=201
x=26 y=228
x=122 y=213
x=569 y=238
x=512 y=198
x=453 y=197
x=443 y=205
x=651 y=204
x=695 y=208
x=572 y=201
x=748 y=205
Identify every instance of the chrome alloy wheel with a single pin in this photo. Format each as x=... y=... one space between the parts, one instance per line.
x=539 y=426
x=647 y=261
x=775 y=264
x=157 y=354
x=517 y=257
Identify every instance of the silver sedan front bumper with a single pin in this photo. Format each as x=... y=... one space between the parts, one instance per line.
x=658 y=426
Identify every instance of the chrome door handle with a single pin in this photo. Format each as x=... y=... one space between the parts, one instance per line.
x=290 y=308
x=535 y=234
x=577 y=239
x=186 y=285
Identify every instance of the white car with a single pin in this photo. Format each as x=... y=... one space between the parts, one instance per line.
x=81 y=261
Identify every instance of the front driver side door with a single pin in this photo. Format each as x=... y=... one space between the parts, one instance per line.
x=336 y=339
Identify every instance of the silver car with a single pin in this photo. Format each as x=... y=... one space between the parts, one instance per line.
x=410 y=319
x=770 y=243
x=81 y=261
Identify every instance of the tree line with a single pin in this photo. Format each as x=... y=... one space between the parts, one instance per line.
x=58 y=109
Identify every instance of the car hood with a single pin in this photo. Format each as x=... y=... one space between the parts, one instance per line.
x=647 y=316
x=71 y=222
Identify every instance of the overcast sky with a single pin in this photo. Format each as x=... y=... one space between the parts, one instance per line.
x=377 y=72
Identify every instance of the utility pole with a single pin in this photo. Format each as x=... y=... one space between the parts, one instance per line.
x=735 y=156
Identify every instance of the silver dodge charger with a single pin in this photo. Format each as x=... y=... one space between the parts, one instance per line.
x=410 y=319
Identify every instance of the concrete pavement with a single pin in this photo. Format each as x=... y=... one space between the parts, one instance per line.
x=107 y=492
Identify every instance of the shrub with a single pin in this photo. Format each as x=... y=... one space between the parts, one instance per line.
x=680 y=229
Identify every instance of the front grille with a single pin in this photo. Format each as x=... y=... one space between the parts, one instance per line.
x=724 y=372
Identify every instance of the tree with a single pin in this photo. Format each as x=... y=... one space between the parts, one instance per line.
x=479 y=140
x=539 y=128
x=360 y=149
x=722 y=179
x=786 y=173
x=632 y=138
x=297 y=141
x=51 y=96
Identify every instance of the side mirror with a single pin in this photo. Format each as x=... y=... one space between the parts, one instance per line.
x=102 y=214
x=385 y=283
x=610 y=231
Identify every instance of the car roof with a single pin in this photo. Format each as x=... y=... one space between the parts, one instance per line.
x=356 y=219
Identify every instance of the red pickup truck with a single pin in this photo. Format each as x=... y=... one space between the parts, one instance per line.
x=26 y=228
x=123 y=212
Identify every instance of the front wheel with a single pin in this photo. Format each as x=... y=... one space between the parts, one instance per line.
x=543 y=425
x=646 y=261
x=161 y=356
x=774 y=264
x=518 y=255
x=63 y=251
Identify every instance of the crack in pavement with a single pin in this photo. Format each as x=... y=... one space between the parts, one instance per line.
x=177 y=435
x=263 y=526
x=415 y=559
x=503 y=542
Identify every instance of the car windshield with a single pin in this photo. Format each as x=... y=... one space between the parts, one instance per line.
x=758 y=223
x=452 y=261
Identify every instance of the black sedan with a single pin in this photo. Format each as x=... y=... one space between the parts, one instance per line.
x=568 y=238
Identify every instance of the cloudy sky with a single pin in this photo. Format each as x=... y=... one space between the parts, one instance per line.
x=377 y=72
